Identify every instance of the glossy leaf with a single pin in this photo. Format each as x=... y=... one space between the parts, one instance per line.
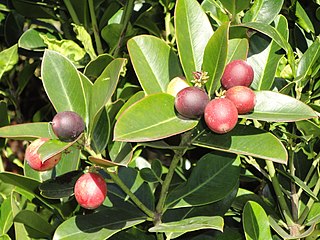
x=31 y=39
x=193 y=31
x=27 y=131
x=104 y=87
x=308 y=59
x=215 y=11
x=237 y=49
x=154 y=62
x=100 y=225
x=255 y=222
x=70 y=160
x=39 y=176
x=265 y=61
x=102 y=132
x=6 y=219
x=244 y=140
x=277 y=107
x=134 y=125
x=54 y=146
x=63 y=84
x=234 y=6
x=303 y=19
x=215 y=57
x=209 y=173
x=152 y=174
x=8 y=59
x=176 y=229
x=263 y=11
x=269 y=31
x=34 y=222
x=309 y=128
x=121 y=154
x=95 y=67
x=61 y=186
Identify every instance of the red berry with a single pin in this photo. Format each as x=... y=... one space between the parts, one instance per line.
x=243 y=98
x=33 y=158
x=90 y=190
x=190 y=102
x=237 y=73
x=67 y=126
x=221 y=115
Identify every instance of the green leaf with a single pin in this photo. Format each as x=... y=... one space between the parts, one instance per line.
x=237 y=49
x=277 y=107
x=234 y=6
x=102 y=132
x=6 y=219
x=70 y=160
x=244 y=140
x=270 y=32
x=263 y=11
x=215 y=57
x=309 y=128
x=95 y=67
x=176 y=229
x=215 y=11
x=104 y=87
x=265 y=61
x=209 y=173
x=303 y=19
x=39 y=176
x=154 y=62
x=308 y=60
x=53 y=147
x=152 y=174
x=99 y=226
x=65 y=47
x=255 y=222
x=61 y=186
x=27 y=131
x=63 y=84
x=8 y=59
x=193 y=31
x=134 y=125
x=84 y=37
x=32 y=40
x=34 y=222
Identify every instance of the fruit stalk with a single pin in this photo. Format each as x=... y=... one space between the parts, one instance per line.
x=133 y=197
x=185 y=142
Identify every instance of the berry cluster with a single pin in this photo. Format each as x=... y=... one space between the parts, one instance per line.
x=221 y=113
x=90 y=189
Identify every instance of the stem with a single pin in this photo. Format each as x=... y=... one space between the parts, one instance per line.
x=310 y=203
x=167 y=25
x=133 y=197
x=72 y=12
x=186 y=138
x=276 y=185
x=127 y=12
x=95 y=27
x=310 y=172
x=294 y=197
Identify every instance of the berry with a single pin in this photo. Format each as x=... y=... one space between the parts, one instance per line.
x=67 y=126
x=221 y=115
x=237 y=73
x=176 y=85
x=90 y=190
x=243 y=98
x=33 y=158
x=190 y=102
